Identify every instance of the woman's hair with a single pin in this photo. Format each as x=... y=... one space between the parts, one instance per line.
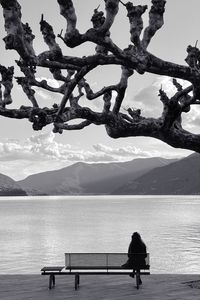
x=136 y=235
x=136 y=239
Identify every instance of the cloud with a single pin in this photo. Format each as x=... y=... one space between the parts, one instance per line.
x=44 y=147
x=122 y=152
x=90 y=157
x=191 y=120
x=43 y=94
x=34 y=148
x=147 y=100
x=154 y=148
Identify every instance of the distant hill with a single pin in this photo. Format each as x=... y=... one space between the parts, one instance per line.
x=8 y=187
x=94 y=179
x=179 y=178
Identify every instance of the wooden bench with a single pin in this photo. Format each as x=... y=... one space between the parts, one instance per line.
x=78 y=264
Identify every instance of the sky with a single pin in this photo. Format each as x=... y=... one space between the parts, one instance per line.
x=24 y=151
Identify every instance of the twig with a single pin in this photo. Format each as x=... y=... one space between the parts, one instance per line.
x=122 y=3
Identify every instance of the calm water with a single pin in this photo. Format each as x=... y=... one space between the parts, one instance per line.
x=35 y=232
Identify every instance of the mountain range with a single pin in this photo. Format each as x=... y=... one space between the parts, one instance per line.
x=142 y=176
x=8 y=187
x=94 y=179
x=179 y=178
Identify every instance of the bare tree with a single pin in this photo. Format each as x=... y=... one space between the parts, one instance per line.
x=135 y=58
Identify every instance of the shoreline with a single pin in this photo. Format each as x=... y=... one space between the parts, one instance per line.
x=101 y=287
x=98 y=197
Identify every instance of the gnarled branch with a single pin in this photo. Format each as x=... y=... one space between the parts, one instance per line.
x=19 y=36
x=156 y=21
x=7 y=82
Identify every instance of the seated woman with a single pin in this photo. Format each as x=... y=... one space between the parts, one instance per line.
x=136 y=254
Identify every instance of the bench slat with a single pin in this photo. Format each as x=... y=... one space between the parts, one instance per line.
x=102 y=268
x=106 y=260
x=52 y=268
x=95 y=273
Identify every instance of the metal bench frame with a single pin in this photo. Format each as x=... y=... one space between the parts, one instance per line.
x=107 y=269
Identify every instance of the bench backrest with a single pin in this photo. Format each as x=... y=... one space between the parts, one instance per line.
x=101 y=260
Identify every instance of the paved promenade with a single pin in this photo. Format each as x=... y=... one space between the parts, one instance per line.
x=156 y=287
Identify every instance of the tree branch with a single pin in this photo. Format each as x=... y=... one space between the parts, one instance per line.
x=168 y=127
x=136 y=23
x=59 y=127
x=111 y=7
x=121 y=88
x=71 y=86
x=156 y=21
x=7 y=82
x=19 y=36
x=91 y=95
x=49 y=38
x=23 y=81
x=72 y=36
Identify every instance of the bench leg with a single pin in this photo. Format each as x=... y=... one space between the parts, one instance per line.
x=51 y=281
x=77 y=281
x=54 y=280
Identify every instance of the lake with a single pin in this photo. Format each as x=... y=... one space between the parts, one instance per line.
x=37 y=231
